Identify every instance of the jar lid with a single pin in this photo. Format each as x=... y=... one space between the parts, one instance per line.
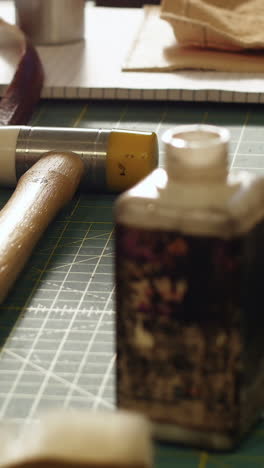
x=197 y=151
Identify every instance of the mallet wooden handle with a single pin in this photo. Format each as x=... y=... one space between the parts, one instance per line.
x=40 y=193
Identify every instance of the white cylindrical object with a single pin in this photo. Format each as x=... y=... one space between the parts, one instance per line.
x=49 y=22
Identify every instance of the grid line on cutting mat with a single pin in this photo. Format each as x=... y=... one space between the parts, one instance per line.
x=57 y=326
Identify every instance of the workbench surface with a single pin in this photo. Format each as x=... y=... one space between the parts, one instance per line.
x=57 y=326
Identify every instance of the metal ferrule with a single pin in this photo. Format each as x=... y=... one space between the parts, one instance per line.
x=90 y=144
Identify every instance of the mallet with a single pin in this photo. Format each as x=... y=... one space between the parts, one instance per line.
x=62 y=159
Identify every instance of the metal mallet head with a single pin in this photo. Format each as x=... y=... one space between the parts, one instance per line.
x=114 y=159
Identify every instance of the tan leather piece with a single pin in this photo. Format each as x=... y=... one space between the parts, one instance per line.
x=155 y=49
x=218 y=24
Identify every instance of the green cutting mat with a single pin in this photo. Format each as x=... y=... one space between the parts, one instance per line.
x=57 y=327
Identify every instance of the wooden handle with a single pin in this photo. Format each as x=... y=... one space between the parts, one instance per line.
x=41 y=192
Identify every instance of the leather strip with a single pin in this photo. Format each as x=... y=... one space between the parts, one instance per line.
x=23 y=93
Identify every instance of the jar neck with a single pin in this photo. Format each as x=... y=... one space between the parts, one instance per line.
x=181 y=173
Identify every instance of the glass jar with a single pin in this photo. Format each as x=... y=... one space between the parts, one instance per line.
x=189 y=299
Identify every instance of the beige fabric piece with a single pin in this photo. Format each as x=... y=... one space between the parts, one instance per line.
x=155 y=49
x=221 y=24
